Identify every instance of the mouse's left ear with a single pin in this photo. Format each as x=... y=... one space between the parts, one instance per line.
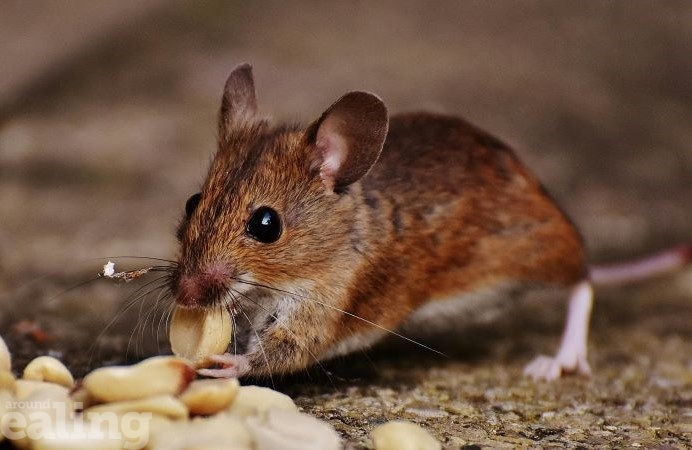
x=239 y=102
x=348 y=138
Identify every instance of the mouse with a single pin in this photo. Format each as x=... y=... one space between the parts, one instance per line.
x=322 y=239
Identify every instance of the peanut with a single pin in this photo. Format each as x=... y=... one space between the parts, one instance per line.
x=47 y=368
x=5 y=357
x=288 y=430
x=256 y=400
x=162 y=405
x=205 y=397
x=199 y=333
x=154 y=376
x=403 y=436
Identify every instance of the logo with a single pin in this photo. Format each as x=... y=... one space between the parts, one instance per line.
x=47 y=420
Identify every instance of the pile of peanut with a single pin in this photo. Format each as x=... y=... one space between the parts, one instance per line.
x=158 y=404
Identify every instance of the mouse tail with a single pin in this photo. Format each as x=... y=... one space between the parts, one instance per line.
x=641 y=269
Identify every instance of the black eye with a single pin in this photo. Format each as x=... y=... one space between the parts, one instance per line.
x=264 y=225
x=191 y=204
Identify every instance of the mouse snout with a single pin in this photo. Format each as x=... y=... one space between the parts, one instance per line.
x=204 y=287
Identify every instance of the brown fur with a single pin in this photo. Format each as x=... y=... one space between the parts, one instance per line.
x=446 y=210
x=450 y=210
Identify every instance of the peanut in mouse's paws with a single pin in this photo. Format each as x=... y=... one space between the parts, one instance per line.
x=546 y=368
x=231 y=366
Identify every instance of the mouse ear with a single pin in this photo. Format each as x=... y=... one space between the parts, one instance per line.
x=239 y=103
x=348 y=138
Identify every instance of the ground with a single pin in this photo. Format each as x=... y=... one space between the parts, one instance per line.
x=107 y=120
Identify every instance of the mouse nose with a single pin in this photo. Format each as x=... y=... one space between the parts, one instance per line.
x=205 y=287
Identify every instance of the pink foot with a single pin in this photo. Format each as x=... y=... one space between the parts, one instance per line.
x=550 y=369
x=231 y=366
x=571 y=357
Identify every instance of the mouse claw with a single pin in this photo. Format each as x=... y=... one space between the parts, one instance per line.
x=231 y=366
x=547 y=368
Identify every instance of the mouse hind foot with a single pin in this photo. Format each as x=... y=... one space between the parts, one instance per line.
x=571 y=356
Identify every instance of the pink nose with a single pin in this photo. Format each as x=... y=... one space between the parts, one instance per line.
x=205 y=287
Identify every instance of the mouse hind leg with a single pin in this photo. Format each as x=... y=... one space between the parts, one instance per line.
x=571 y=356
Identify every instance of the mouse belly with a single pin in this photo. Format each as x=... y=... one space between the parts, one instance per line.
x=435 y=315
x=481 y=306
x=354 y=342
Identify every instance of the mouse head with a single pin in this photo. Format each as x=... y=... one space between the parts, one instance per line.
x=276 y=209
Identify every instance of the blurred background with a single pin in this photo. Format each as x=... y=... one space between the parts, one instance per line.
x=108 y=112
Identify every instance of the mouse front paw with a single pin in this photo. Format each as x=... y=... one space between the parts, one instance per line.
x=230 y=366
x=546 y=368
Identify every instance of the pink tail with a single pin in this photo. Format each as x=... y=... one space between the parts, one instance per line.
x=650 y=266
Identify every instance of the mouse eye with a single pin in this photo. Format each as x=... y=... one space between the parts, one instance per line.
x=191 y=204
x=264 y=225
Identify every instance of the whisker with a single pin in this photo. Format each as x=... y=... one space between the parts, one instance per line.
x=161 y=280
x=165 y=269
x=70 y=289
x=140 y=327
x=150 y=316
x=168 y=309
x=355 y=316
x=133 y=298
x=234 y=328
x=259 y=342
x=129 y=303
x=167 y=314
x=150 y=258
x=170 y=267
x=392 y=332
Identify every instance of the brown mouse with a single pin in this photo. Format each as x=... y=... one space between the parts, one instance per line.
x=320 y=238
